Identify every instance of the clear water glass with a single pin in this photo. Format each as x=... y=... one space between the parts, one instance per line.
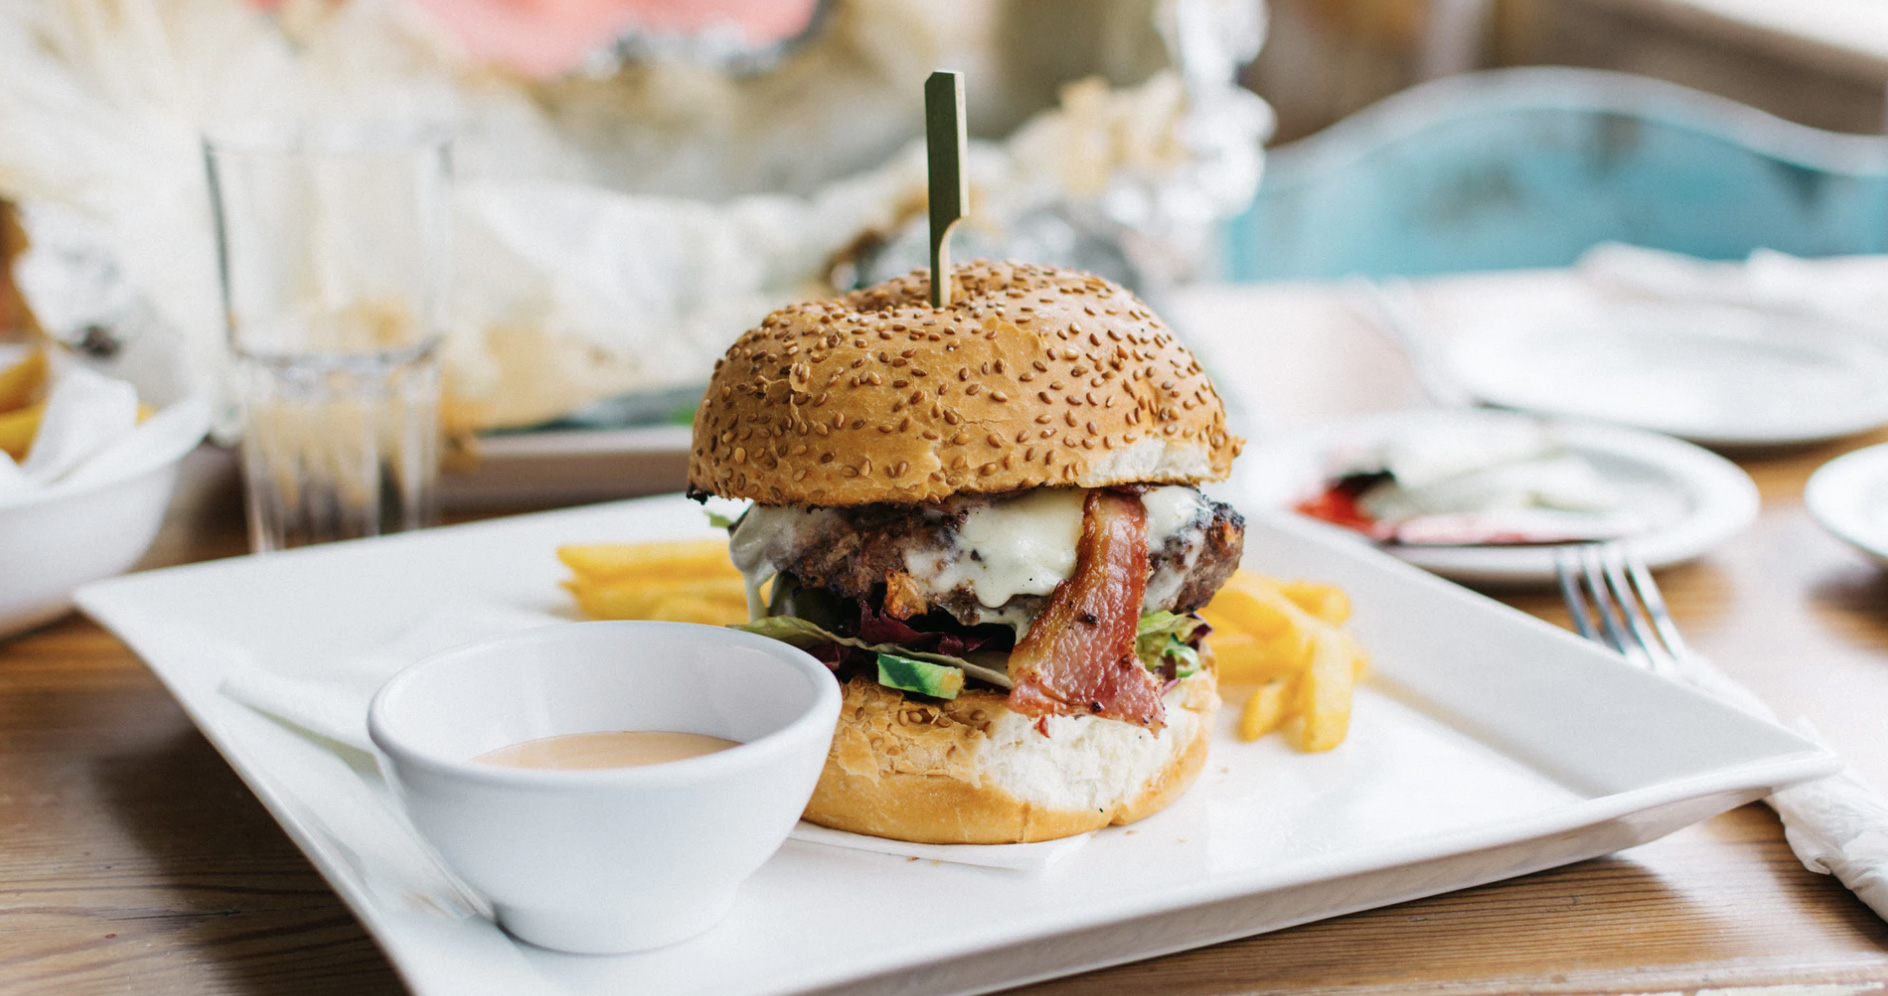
x=333 y=247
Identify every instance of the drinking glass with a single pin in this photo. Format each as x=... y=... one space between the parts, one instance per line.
x=332 y=245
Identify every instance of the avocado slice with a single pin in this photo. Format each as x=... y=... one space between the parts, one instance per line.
x=908 y=675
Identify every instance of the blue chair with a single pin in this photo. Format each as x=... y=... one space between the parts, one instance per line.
x=1530 y=167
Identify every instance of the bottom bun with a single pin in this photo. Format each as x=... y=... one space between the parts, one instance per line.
x=970 y=771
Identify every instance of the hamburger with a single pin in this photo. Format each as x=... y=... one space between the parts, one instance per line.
x=985 y=518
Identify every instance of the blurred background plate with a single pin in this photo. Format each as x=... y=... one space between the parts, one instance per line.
x=1849 y=497
x=1705 y=499
x=1721 y=376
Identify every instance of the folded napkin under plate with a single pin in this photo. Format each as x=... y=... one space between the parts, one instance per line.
x=1837 y=825
x=332 y=709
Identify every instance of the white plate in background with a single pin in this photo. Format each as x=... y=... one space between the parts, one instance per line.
x=1487 y=744
x=1717 y=375
x=1696 y=499
x=1849 y=497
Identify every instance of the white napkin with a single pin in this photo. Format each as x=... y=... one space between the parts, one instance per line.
x=333 y=707
x=1853 y=289
x=1836 y=825
x=85 y=412
x=89 y=433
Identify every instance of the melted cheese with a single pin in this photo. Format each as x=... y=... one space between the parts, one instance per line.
x=1173 y=512
x=1169 y=511
x=1018 y=546
x=763 y=538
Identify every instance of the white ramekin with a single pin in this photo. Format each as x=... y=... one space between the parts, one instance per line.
x=620 y=859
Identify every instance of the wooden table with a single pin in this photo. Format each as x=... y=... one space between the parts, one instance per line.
x=131 y=857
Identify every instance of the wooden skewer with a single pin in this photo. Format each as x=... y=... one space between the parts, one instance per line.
x=944 y=141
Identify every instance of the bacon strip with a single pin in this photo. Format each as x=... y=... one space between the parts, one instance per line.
x=1078 y=658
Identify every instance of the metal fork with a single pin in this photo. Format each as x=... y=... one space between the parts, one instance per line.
x=1614 y=601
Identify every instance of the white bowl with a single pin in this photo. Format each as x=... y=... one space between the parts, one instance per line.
x=95 y=526
x=613 y=860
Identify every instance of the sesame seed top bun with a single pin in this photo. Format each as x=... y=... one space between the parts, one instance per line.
x=1033 y=376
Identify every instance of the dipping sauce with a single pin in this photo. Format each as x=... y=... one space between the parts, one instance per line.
x=625 y=749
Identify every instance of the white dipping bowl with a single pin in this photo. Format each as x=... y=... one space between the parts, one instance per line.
x=612 y=860
x=98 y=524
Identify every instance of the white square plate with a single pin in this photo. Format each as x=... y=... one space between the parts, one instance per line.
x=1488 y=744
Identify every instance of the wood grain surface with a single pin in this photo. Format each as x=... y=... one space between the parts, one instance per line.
x=133 y=860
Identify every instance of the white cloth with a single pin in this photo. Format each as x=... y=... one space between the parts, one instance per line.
x=333 y=708
x=85 y=413
x=1836 y=825
x=1851 y=289
x=89 y=433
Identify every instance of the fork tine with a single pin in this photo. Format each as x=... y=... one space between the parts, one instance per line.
x=1566 y=562
x=1618 y=636
x=1655 y=604
x=1631 y=606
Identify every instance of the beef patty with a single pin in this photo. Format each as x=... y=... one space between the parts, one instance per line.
x=851 y=551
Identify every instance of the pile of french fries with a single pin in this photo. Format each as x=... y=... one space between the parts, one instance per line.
x=1287 y=638
x=21 y=404
x=686 y=581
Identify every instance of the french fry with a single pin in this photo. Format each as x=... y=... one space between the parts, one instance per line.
x=19 y=382
x=18 y=427
x=1261 y=612
x=1268 y=707
x=1244 y=659
x=1327 y=602
x=691 y=609
x=1324 y=691
x=1360 y=658
x=660 y=562
x=724 y=599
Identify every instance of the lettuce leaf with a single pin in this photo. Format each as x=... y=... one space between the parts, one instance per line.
x=1163 y=634
x=1158 y=637
x=805 y=635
